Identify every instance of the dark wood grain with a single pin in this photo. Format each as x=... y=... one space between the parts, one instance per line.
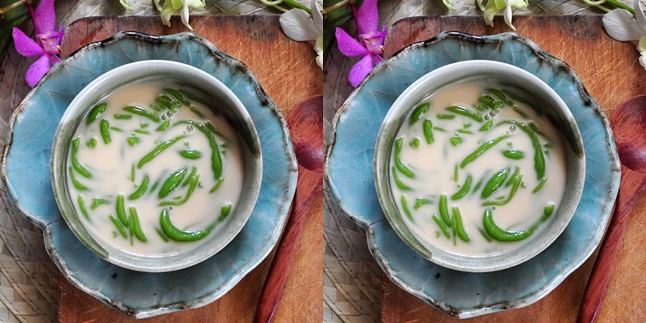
x=288 y=73
x=631 y=187
x=611 y=73
x=628 y=122
x=310 y=185
x=305 y=124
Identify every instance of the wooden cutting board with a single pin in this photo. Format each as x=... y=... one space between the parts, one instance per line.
x=611 y=73
x=288 y=73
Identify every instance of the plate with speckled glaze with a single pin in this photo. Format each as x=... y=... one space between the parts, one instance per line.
x=349 y=177
x=26 y=172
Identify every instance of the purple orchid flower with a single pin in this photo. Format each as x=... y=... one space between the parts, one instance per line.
x=47 y=44
x=370 y=44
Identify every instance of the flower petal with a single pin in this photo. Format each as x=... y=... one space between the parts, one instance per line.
x=50 y=41
x=639 y=16
x=176 y=4
x=25 y=46
x=447 y=4
x=167 y=12
x=360 y=70
x=367 y=17
x=481 y=5
x=384 y=33
x=195 y=3
x=376 y=59
x=508 y=15
x=641 y=47
x=348 y=46
x=298 y=25
x=185 y=15
x=317 y=15
x=53 y=59
x=36 y=71
x=489 y=13
x=620 y=25
x=518 y=3
x=125 y=4
x=642 y=60
x=44 y=17
x=61 y=32
x=318 y=48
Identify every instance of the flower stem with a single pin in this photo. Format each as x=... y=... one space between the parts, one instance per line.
x=275 y=5
x=614 y=3
x=335 y=6
x=12 y=6
x=604 y=9
x=297 y=5
x=621 y=5
x=291 y=3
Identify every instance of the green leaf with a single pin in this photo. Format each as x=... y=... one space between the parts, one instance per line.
x=12 y=18
x=335 y=17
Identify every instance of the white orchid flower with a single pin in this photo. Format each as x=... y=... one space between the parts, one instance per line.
x=494 y=6
x=171 y=6
x=318 y=48
x=623 y=26
x=449 y=5
x=125 y=4
x=298 y=25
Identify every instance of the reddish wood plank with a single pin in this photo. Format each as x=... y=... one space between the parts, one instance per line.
x=305 y=124
x=611 y=73
x=627 y=122
x=288 y=73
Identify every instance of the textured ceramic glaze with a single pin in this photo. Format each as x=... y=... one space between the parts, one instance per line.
x=227 y=104
x=349 y=177
x=26 y=173
x=496 y=73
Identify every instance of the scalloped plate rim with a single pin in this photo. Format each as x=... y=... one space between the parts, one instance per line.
x=47 y=227
x=370 y=227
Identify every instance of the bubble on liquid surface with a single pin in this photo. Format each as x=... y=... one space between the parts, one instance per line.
x=512 y=129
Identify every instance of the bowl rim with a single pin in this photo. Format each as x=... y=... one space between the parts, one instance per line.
x=134 y=72
x=450 y=74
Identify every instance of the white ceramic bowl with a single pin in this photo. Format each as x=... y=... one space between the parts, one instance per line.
x=224 y=103
x=550 y=104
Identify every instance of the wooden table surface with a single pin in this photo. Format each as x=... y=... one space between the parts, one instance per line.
x=288 y=73
x=611 y=73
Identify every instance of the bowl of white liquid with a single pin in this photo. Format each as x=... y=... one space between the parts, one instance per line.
x=479 y=166
x=156 y=166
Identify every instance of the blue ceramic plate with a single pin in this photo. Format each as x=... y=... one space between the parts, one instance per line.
x=27 y=176
x=349 y=177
